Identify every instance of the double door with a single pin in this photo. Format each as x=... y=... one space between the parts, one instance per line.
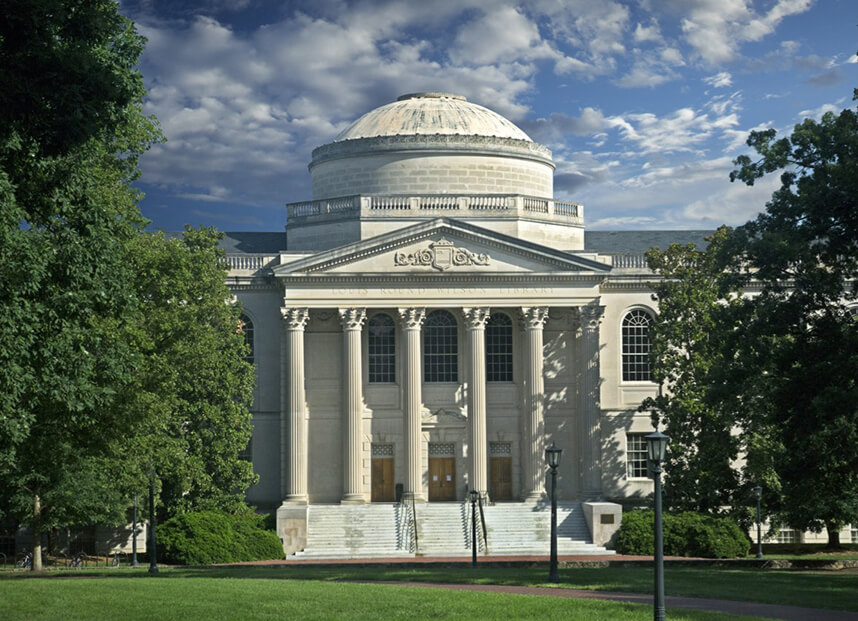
x=442 y=479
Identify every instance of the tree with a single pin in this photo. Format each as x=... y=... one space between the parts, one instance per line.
x=686 y=355
x=803 y=250
x=71 y=131
x=194 y=385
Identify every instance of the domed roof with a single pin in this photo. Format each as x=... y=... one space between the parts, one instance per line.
x=431 y=114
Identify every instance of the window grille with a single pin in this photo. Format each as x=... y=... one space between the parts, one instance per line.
x=442 y=450
x=636 y=456
x=500 y=449
x=382 y=349
x=440 y=348
x=499 y=348
x=636 y=346
x=382 y=450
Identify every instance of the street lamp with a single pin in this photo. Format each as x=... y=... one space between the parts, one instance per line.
x=134 y=562
x=758 y=491
x=474 y=495
x=153 y=553
x=656 y=445
x=552 y=456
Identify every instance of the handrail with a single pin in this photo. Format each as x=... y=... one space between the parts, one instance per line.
x=483 y=523
x=414 y=522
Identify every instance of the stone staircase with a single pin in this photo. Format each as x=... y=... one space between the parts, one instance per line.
x=357 y=531
x=444 y=528
x=524 y=528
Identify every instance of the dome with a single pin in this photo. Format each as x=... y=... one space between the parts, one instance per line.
x=431 y=114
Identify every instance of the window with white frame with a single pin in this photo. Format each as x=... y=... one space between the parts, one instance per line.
x=636 y=345
x=499 y=348
x=440 y=347
x=636 y=456
x=246 y=327
x=786 y=535
x=853 y=531
x=382 y=349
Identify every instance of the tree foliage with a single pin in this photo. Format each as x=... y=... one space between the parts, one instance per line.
x=803 y=250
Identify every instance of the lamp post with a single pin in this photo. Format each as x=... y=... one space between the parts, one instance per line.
x=758 y=492
x=552 y=456
x=656 y=444
x=153 y=553
x=474 y=495
x=134 y=562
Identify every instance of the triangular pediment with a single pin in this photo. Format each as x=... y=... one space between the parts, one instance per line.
x=442 y=246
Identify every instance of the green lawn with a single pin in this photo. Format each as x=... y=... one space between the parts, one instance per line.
x=189 y=595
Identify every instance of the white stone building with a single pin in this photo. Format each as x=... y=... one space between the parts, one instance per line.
x=434 y=319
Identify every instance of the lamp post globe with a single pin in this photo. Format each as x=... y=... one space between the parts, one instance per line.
x=552 y=456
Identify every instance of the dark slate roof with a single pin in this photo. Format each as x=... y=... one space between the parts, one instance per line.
x=638 y=242
x=253 y=242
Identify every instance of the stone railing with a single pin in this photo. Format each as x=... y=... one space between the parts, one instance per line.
x=250 y=262
x=478 y=205
x=629 y=261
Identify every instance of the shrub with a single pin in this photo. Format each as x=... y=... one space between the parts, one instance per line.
x=685 y=534
x=212 y=537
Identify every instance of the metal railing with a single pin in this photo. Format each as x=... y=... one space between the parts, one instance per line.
x=483 y=524
x=414 y=524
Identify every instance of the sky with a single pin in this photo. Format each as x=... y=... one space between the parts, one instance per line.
x=644 y=103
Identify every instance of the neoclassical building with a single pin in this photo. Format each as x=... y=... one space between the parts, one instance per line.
x=429 y=322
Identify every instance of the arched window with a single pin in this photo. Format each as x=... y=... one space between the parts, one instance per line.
x=499 y=348
x=246 y=327
x=440 y=348
x=636 y=346
x=382 y=349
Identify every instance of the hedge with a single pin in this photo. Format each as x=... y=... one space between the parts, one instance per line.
x=685 y=534
x=212 y=537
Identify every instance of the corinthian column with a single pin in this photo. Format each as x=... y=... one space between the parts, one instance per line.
x=412 y=320
x=589 y=436
x=533 y=423
x=293 y=416
x=475 y=320
x=352 y=320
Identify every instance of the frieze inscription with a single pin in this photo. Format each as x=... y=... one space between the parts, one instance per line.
x=441 y=255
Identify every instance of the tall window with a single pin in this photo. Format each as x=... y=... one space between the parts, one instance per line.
x=636 y=456
x=382 y=349
x=636 y=325
x=499 y=348
x=246 y=327
x=440 y=348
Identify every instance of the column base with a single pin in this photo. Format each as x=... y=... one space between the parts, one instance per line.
x=353 y=499
x=534 y=497
x=296 y=500
x=417 y=497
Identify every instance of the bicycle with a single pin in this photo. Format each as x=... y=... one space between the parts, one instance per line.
x=26 y=562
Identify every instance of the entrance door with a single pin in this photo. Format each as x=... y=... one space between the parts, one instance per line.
x=442 y=478
x=500 y=484
x=382 y=480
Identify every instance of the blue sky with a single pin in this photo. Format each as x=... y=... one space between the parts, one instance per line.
x=644 y=103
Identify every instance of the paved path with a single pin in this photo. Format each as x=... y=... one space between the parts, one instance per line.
x=772 y=611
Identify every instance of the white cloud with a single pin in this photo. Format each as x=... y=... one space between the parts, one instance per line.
x=816 y=113
x=719 y=80
x=685 y=129
x=648 y=34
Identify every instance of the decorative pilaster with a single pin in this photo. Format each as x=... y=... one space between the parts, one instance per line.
x=533 y=423
x=475 y=321
x=352 y=320
x=589 y=408
x=412 y=320
x=293 y=416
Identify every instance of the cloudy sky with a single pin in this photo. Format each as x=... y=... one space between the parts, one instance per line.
x=644 y=103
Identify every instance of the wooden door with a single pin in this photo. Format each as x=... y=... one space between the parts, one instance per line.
x=382 y=480
x=442 y=478
x=500 y=483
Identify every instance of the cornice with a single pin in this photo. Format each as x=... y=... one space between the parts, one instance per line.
x=445 y=278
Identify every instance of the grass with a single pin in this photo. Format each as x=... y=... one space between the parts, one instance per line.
x=182 y=595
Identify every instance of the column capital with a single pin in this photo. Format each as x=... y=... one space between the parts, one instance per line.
x=590 y=316
x=476 y=317
x=534 y=317
x=412 y=318
x=295 y=318
x=352 y=318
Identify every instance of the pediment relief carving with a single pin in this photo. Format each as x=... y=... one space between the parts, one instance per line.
x=441 y=255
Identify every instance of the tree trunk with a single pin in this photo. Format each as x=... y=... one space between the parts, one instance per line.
x=833 y=535
x=37 y=533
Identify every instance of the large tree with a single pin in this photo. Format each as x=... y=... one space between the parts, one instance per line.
x=194 y=385
x=71 y=130
x=803 y=251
